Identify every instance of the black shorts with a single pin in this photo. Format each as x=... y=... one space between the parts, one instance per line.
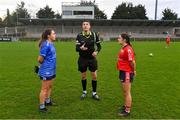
x=126 y=76
x=47 y=78
x=84 y=63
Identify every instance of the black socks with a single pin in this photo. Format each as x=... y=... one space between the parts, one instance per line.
x=84 y=83
x=94 y=85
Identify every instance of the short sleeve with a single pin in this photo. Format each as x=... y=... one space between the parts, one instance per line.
x=130 y=54
x=43 y=50
x=77 y=40
x=97 y=38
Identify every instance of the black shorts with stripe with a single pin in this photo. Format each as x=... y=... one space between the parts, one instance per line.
x=84 y=63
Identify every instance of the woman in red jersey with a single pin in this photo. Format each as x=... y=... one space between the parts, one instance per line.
x=127 y=69
x=168 y=39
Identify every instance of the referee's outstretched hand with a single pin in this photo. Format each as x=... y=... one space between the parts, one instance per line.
x=83 y=48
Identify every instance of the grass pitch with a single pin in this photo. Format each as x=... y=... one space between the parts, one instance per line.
x=155 y=90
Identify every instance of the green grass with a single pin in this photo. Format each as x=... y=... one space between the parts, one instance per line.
x=155 y=90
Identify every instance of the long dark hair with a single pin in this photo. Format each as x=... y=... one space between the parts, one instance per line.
x=44 y=36
x=126 y=37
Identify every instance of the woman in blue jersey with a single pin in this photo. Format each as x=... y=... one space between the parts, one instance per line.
x=47 y=70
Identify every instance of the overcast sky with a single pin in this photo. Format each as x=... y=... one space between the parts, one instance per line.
x=107 y=5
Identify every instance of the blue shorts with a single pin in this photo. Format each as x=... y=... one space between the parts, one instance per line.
x=126 y=76
x=48 y=78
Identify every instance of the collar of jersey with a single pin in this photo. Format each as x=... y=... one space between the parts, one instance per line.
x=125 y=46
x=87 y=36
x=49 y=42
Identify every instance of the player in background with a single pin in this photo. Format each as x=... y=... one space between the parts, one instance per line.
x=168 y=40
x=127 y=69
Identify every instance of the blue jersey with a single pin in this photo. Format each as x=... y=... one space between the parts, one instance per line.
x=48 y=67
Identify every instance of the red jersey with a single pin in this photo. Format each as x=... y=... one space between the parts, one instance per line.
x=125 y=57
x=168 y=39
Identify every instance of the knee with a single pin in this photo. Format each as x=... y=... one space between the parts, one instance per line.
x=83 y=77
x=127 y=92
x=94 y=77
x=44 y=92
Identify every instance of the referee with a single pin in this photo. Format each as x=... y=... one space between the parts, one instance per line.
x=88 y=46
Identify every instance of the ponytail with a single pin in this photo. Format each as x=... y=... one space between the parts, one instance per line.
x=44 y=36
x=127 y=38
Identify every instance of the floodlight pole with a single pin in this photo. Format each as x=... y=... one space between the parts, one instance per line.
x=16 y=18
x=156 y=6
x=16 y=23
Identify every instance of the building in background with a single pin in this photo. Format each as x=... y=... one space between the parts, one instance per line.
x=74 y=10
